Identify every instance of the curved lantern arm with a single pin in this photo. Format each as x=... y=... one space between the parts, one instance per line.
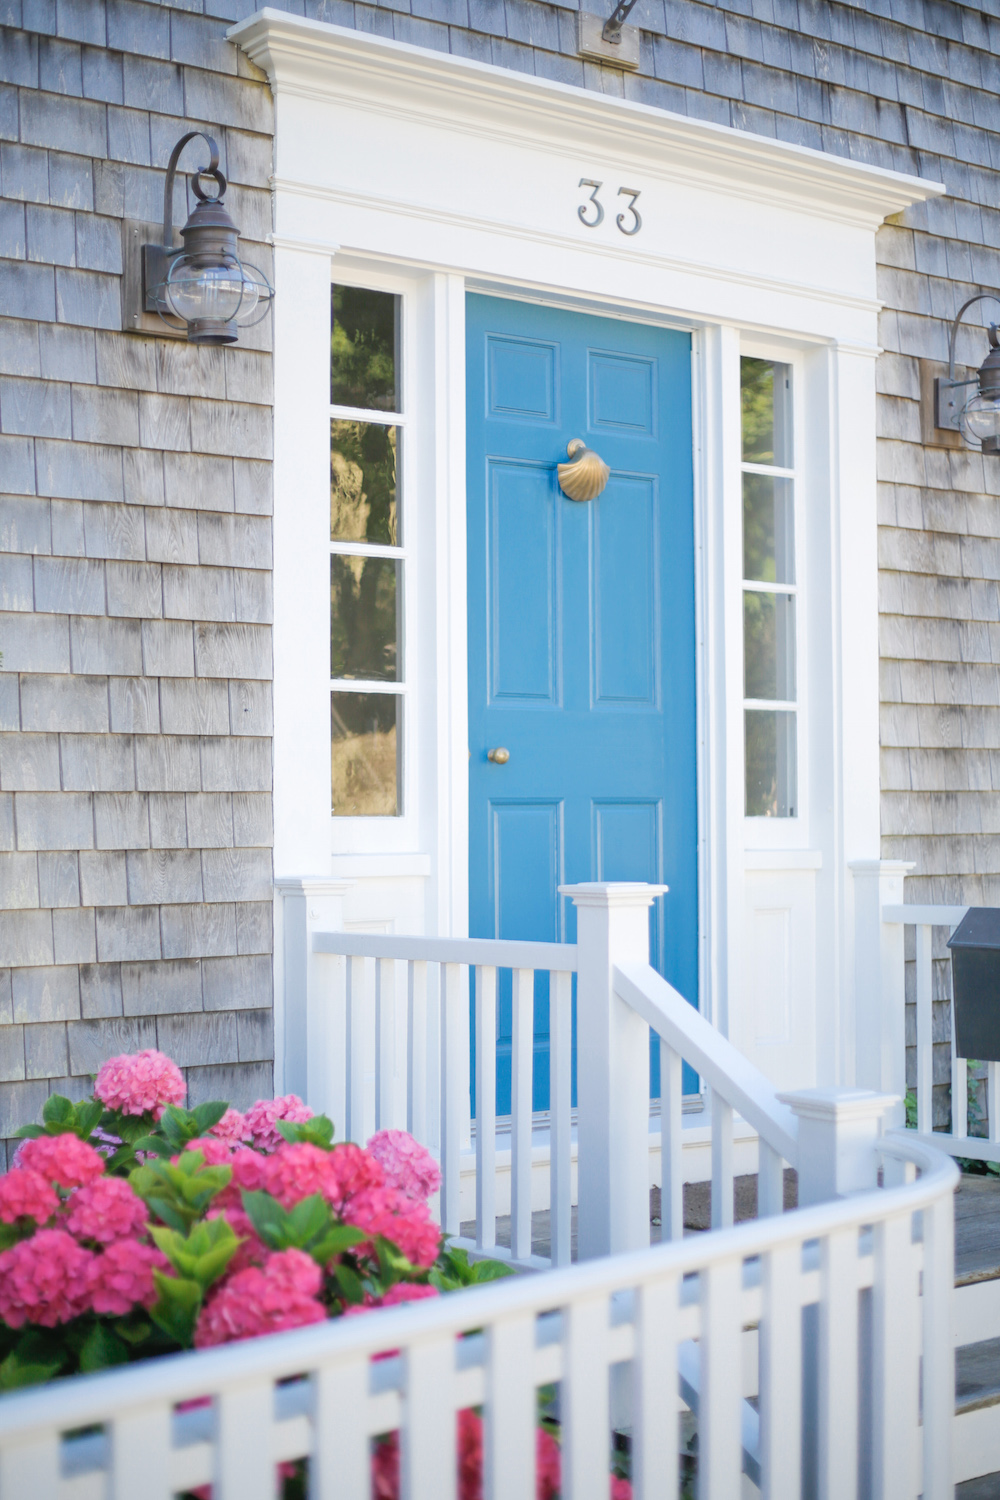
x=212 y=170
x=953 y=336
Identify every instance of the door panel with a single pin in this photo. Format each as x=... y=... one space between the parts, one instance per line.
x=581 y=634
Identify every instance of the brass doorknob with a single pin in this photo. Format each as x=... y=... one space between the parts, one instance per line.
x=499 y=757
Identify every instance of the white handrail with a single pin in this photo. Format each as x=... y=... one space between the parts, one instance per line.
x=499 y=953
x=723 y=1068
x=570 y=1326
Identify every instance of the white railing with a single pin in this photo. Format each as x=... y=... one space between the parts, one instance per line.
x=828 y=1315
x=357 y=1075
x=957 y=1140
x=387 y=1025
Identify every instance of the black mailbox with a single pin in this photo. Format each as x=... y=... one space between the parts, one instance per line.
x=975 y=973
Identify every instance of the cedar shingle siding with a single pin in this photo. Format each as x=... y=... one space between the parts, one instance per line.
x=135 y=766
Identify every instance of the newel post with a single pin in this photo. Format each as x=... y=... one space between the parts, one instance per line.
x=303 y=996
x=612 y=927
x=839 y=1130
x=879 y=978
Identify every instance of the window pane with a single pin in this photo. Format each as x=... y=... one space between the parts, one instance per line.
x=363 y=499
x=365 y=754
x=766 y=390
x=769 y=645
x=768 y=538
x=364 y=349
x=770 y=763
x=363 y=594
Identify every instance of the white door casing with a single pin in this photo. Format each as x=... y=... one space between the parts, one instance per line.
x=421 y=172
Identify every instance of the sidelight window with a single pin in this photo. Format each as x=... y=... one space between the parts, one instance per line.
x=770 y=707
x=367 y=559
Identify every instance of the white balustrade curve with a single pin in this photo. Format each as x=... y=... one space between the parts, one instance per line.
x=677 y=1315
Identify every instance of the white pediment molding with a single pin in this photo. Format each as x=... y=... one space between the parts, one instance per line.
x=315 y=59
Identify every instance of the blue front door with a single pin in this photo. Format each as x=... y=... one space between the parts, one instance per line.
x=581 y=635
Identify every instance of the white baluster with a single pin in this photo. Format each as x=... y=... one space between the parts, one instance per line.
x=719 y=1433
x=244 y=1417
x=780 y=1359
x=360 y=1052
x=416 y=1051
x=894 y=1372
x=722 y=1162
x=31 y=1467
x=486 y=1107
x=770 y=1182
x=925 y=1037
x=509 y=1456
x=959 y=1085
x=454 y=1035
x=655 y=1429
x=340 y=1464
x=140 y=1454
x=938 y=1361
x=584 y=1400
x=385 y=1043
x=838 y=1366
x=671 y=1144
x=993 y=1100
x=560 y=1115
x=521 y=1060
x=428 y=1447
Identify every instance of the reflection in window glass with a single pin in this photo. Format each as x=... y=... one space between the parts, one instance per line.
x=363 y=599
x=768 y=537
x=770 y=764
x=364 y=349
x=769 y=646
x=365 y=755
x=363 y=499
x=765 y=390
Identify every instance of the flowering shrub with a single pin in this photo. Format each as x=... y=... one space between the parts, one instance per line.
x=131 y=1227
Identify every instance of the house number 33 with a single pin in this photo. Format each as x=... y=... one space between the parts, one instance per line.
x=592 y=212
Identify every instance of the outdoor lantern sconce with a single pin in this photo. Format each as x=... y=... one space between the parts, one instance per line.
x=200 y=288
x=978 y=419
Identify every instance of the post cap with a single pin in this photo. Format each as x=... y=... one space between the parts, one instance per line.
x=839 y=1104
x=613 y=893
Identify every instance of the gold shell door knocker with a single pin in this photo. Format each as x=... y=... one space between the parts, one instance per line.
x=585 y=476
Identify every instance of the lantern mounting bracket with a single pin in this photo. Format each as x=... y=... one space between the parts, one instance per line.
x=948 y=404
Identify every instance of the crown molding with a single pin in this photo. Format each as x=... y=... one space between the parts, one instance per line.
x=316 y=59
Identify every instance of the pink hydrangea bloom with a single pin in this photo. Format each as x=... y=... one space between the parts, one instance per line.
x=62 y=1159
x=122 y=1277
x=44 y=1280
x=279 y=1296
x=106 y=1210
x=407 y=1165
x=140 y=1083
x=385 y=1464
x=248 y=1172
x=548 y=1468
x=252 y=1251
x=351 y=1171
x=260 y=1118
x=402 y=1291
x=216 y=1153
x=621 y=1489
x=406 y=1223
x=233 y=1128
x=294 y=1172
x=25 y=1194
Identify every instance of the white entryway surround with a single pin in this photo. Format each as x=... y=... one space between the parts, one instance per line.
x=430 y=175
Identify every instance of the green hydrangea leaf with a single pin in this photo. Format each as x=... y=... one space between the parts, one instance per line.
x=102 y=1348
x=177 y=1307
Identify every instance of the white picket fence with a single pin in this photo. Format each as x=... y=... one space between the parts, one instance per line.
x=835 y=1317
x=355 y=1022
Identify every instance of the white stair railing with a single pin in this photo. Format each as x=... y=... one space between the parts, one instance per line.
x=828 y=1315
